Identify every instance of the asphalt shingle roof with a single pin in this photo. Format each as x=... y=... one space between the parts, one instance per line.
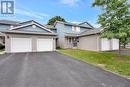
x=9 y=22
x=91 y=32
x=74 y=24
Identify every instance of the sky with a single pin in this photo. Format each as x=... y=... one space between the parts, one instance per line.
x=75 y=11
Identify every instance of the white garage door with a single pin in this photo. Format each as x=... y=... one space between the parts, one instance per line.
x=21 y=45
x=44 y=44
x=105 y=44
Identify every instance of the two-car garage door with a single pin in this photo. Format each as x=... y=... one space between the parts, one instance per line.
x=26 y=45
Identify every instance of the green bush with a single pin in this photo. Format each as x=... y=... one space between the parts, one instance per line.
x=2 y=46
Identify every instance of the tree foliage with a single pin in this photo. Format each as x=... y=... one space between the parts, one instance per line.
x=115 y=19
x=54 y=19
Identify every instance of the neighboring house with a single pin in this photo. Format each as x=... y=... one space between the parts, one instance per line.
x=83 y=36
x=4 y=25
x=128 y=45
x=28 y=36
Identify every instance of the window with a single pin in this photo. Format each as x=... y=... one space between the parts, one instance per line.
x=78 y=29
x=75 y=28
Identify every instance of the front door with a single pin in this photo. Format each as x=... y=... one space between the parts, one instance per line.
x=74 y=41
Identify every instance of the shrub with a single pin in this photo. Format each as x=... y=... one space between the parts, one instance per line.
x=2 y=46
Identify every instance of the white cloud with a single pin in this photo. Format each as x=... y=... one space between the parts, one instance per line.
x=96 y=25
x=75 y=22
x=20 y=10
x=69 y=2
x=30 y=13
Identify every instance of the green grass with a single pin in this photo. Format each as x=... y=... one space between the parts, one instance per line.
x=2 y=50
x=106 y=60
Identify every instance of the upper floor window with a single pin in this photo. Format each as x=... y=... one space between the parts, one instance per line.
x=75 y=28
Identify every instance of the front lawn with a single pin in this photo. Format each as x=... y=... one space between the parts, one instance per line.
x=106 y=60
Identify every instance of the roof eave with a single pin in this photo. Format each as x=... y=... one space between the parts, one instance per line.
x=23 y=32
x=89 y=34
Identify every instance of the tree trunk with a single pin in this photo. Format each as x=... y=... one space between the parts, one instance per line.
x=124 y=45
x=119 y=51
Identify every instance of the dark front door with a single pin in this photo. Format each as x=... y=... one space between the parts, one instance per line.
x=75 y=41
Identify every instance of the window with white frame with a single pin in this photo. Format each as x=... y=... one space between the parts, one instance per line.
x=75 y=28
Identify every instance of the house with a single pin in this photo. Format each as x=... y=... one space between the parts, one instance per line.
x=29 y=36
x=68 y=33
x=83 y=36
x=128 y=45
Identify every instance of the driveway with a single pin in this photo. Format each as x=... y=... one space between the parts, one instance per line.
x=124 y=52
x=52 y=69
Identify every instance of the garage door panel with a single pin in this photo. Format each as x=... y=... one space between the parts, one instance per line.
x=21 y=44
x=44 y=44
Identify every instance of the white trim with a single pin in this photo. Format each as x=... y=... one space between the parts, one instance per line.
x=16 y=31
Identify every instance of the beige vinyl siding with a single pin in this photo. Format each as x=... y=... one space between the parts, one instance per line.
x=91 y=42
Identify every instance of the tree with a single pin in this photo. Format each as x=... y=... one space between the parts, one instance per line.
x=115 y=19
x=54 y=19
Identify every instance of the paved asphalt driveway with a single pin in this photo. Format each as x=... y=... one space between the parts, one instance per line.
x=53 y=69
x=124 y=52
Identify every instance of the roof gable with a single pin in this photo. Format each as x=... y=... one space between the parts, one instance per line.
x=82 y=25
x=31 y=26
